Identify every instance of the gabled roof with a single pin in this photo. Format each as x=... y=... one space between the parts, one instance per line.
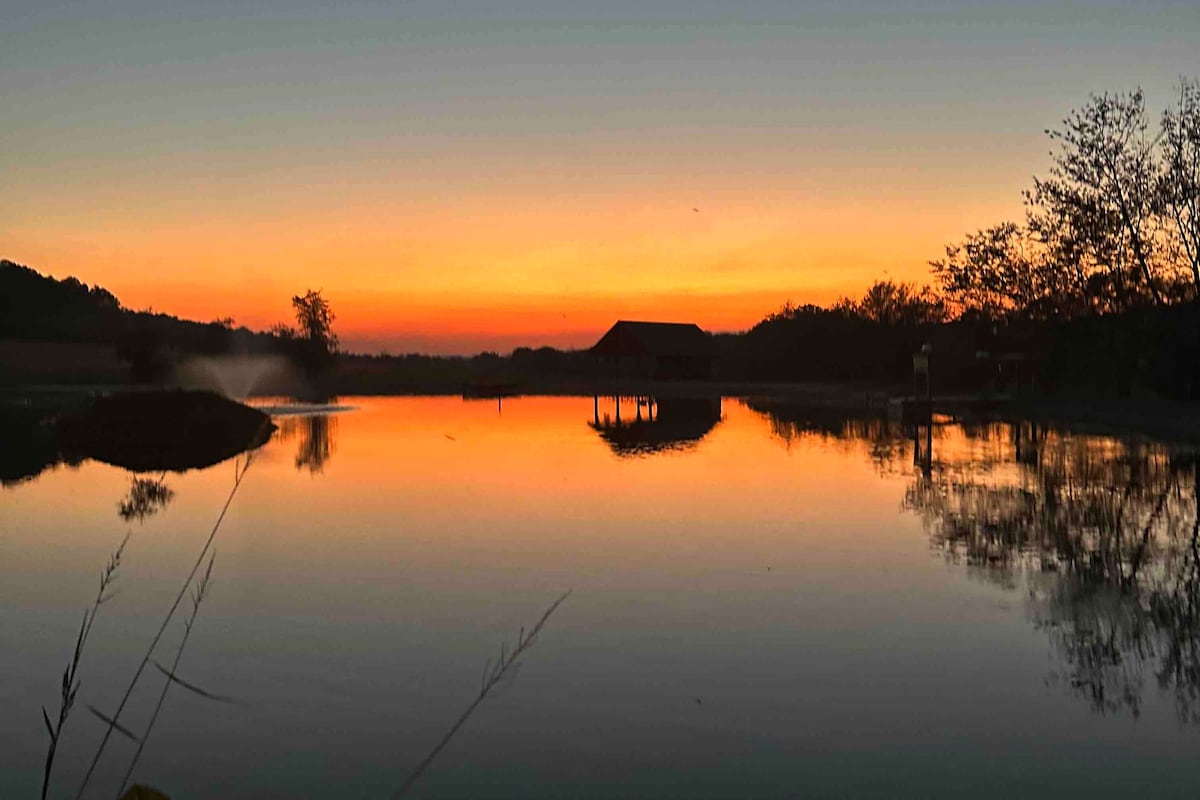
x=628 y=338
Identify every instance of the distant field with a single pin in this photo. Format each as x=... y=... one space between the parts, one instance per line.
x=59 y=363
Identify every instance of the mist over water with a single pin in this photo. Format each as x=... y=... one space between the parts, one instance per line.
x=236 y=376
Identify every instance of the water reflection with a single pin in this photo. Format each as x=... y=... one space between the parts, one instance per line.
x=28 y=444
x=760 y=593
x=144 y=431
x=145 y=498
x=316 y=434
x=1102 y=535
x=791 y=423
x=654 y=425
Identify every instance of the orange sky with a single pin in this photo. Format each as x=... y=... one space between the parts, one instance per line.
x=501 y=269
x=526 y=173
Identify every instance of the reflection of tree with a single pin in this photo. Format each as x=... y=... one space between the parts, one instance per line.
x=1104 y=535
x=146 y=497
x=316 y=432
x=790 y=423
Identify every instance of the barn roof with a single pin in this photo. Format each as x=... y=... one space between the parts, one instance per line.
x=627 y=338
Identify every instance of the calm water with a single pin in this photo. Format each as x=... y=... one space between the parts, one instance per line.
x=764 y=605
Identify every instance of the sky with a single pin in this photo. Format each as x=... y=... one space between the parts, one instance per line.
x=462 y=176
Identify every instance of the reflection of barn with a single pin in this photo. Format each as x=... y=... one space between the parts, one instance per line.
x=672 y=423
x=657 y=350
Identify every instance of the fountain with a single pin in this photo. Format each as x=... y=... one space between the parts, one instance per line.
x=236 y=376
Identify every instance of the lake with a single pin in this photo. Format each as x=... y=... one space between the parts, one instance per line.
x=766 y=602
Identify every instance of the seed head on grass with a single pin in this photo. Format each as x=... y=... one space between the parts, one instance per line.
x=493 y=674
x=70 y=678
x=239 y=474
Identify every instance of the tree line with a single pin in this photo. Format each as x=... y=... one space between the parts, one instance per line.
x=1113 y=226
x=36 y=307
x=1097 y=286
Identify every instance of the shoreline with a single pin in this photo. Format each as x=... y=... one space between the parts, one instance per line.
x=1170 y=421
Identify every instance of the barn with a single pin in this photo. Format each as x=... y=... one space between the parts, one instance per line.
x=659 y=350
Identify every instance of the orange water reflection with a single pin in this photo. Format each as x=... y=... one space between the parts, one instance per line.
x=770 y=567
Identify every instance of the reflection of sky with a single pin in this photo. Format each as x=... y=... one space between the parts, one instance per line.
x=780 y=583
x=524 y=150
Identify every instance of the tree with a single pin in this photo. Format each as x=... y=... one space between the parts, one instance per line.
x=1001 y=272
x=1179 y=181
x=1115 y=224
x=312 y=343
x=890 y=303
x=315 y=318
x=1095 y=212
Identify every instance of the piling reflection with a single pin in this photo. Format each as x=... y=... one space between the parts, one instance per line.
x=653 y=425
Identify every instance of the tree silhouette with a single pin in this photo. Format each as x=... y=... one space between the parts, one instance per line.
x=1095 y=211
x=890 y=303
x=315 y=319
x=1113 y=226
x=312 y=344
x=1179 y=183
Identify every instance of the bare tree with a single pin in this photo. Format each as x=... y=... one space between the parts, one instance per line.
x=1000 y=272
x=1095 y=212
x=1179 y=181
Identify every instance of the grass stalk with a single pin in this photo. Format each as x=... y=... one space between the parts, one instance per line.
x=240 y=470
x=493 y=673
x=70 y=679
x=197 y=598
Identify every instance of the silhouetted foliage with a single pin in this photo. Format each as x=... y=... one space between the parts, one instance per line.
x=999 y=273
x=1113 y=227
x=38 y=308
x=312 y=344
x=1179 y=183
x=34 y=306
x=870 y=340
x=893 y=304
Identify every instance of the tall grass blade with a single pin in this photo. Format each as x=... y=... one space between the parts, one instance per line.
x=191 y=687
x=508 y=660
x=70 y=678
x=239 y=474
x=113 y=724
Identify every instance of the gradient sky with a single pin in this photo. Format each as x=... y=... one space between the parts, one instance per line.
x=467 y=175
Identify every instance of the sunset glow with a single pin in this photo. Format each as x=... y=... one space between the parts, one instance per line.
x=488 y=179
